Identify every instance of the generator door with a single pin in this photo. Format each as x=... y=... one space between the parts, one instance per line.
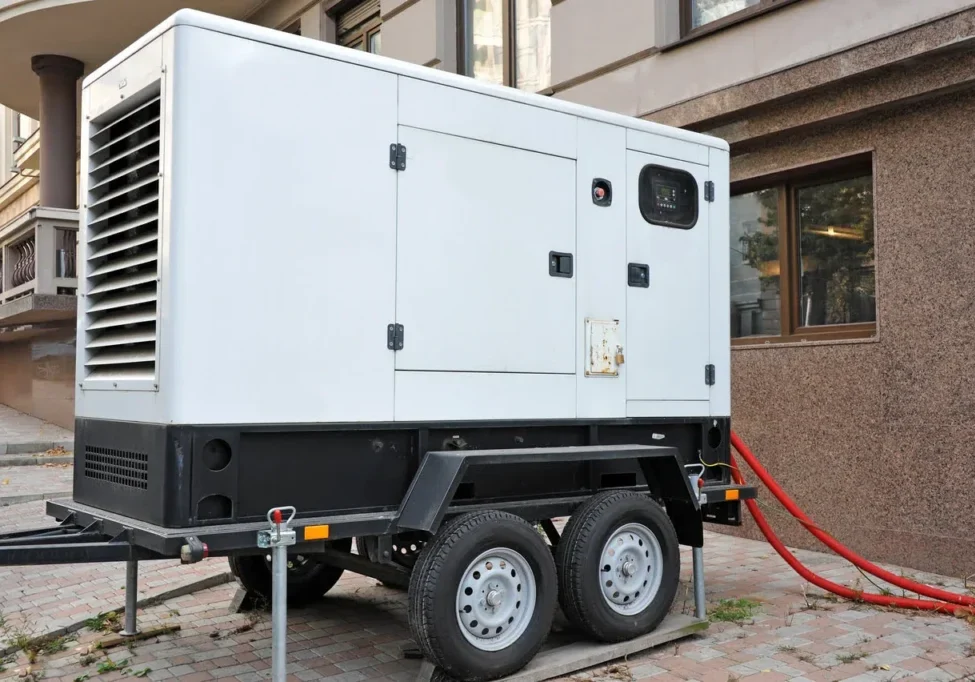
x=485 y=263
x=667 y=298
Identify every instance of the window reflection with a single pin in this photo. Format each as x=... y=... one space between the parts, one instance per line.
x=705 y=11
x=755 y=294
x=836 y=252
x=487 y=41
x=533 y=44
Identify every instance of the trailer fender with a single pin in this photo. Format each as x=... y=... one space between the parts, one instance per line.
x=432 y=489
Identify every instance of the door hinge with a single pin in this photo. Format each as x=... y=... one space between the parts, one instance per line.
x=394 y=337
x=709 y=191
x=709 y=375
x=397 y=157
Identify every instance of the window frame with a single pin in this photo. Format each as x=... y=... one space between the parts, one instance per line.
x=509 y=50
x=356 y=38
x=687 y=33
x=787 y=184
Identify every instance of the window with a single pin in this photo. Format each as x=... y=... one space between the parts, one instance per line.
x=707 y=15
x=359 y=27
x=802 y=256
x=510 y=42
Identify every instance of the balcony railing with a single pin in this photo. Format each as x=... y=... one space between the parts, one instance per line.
x=38 y=254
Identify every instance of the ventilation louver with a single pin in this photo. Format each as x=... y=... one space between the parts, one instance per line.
x=122 y=245
x=121 y=467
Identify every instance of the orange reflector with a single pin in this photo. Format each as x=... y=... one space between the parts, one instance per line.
x=316 y=532
x=730 y=495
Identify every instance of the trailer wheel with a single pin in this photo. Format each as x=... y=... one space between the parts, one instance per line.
x=308 y=579
x=482 y=596
x=619 y=566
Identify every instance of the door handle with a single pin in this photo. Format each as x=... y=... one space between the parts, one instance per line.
x=559 y=264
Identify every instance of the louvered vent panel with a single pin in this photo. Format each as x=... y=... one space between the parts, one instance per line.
x=123 y=246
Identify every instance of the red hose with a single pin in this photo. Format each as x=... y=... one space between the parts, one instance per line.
x=835 y=588
x=833 y=544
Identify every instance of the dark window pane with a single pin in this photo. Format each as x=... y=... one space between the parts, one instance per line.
x=836 y=259
x=706 y=11
x=755 y=296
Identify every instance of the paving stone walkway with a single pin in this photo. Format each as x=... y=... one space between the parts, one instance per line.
x=20 y=482
x=21 y=433
x=37 y=600
x=793 y=632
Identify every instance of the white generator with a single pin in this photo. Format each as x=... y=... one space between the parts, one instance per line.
x=388 y=296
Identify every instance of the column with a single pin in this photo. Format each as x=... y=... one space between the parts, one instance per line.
x=59 y=128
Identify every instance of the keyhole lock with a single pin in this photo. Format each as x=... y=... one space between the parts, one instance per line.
x=602 y=192
x=619 y=355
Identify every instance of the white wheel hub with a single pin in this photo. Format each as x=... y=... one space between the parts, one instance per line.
x=630 y=569
x=496 y=599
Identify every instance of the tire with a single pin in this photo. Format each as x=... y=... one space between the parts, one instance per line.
x=610 y=606
x=307 y=582
x=518 y=568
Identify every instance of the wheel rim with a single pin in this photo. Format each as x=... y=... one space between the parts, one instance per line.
x=298 y=564
x=630 y=569
x=496 y=599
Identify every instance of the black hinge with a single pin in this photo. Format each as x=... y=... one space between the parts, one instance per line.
x=709 y=375
x=709 y=191
x=397 y=157
x=394 y=337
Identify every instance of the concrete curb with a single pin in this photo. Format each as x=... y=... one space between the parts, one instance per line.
x=34 y=447
x=32 y=497
x=181 y=591
x=33 y=460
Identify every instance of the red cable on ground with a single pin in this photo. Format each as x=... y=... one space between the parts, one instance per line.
x=833 y=544
x=835 y=588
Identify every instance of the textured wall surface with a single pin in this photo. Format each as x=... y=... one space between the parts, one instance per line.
x=874 y=439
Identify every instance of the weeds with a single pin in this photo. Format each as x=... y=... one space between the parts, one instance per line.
x=105 y=622
x=110 y=666
x=788 y=649
x=82 y=678
x=52 y=645
x=142 y=673
x=806 y=657
x=733 y=610
x=851 y=657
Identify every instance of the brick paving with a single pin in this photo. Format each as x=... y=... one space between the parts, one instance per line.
x=22 y=433
x=357 y=633
x=37 y=600
x=20 y=481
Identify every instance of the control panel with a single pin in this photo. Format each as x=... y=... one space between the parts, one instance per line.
x=668 y=197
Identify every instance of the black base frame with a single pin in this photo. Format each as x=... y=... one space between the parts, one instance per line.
x=143 y=490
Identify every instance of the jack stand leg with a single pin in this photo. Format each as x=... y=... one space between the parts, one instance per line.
x=131 y=598
x=279 y=613
x=700 y=610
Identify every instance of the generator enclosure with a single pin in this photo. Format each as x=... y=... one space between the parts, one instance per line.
x=301 y=266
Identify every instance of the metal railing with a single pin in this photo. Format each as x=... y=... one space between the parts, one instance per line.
x=38 y=254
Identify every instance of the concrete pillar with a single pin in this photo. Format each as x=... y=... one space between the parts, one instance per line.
x=59 y=128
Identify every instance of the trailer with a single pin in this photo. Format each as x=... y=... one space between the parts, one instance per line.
x=430 y=314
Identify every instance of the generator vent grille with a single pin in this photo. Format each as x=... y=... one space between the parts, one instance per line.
x=123 y=245
x=122 y=467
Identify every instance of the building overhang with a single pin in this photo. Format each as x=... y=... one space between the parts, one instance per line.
x=92 y=31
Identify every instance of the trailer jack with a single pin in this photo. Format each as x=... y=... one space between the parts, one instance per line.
x=278 y=539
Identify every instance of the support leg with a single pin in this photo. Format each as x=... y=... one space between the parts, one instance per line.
x=131 y=597
x=279 y=613
x=700 y=610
